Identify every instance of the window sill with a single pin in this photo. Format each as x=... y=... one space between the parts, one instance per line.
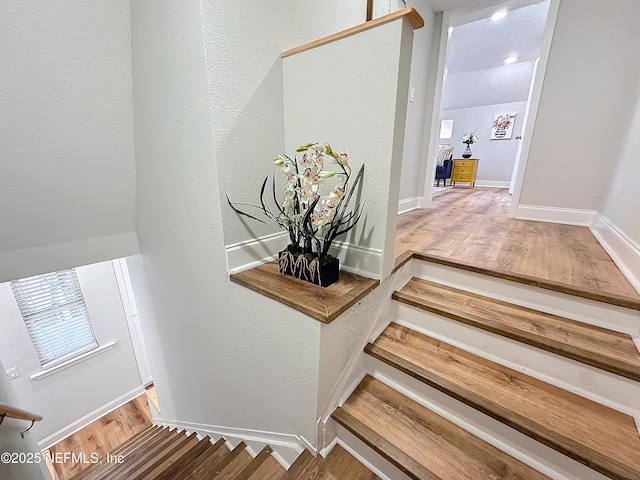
x=50 y=371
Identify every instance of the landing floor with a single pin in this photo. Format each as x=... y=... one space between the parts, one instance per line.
x=473 y=226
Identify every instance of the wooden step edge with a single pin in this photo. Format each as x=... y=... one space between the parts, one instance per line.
x=298 y=466
x=163 y=455
x=140 y=457
x=175 y=462
x=106 y=469
x=219 y=466
x=573 y=352
x=380 y=445
x=567 y=446
x=123 y=447
x=255 y=463
x=609 y=298
x=199 y=463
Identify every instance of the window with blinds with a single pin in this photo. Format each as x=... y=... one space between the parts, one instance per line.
x=56 y=316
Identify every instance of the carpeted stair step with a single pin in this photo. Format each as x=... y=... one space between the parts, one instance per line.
x=421 y=443
x=597 y=436
x=605 y=349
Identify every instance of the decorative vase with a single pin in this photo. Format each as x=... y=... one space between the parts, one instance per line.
x=467 y=153
x=321 y=271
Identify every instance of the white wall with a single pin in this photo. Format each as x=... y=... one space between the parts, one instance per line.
x=361 y=109
x=496 y=156
x=411 y=182
x=70 y=394
x=67 y=191
x=206 y=121
x=618 y=228
x=591 y=76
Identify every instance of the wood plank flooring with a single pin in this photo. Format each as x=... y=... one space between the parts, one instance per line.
x=103 y=435
x=473 y=226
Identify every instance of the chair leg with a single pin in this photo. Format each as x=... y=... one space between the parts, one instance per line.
x=438 y=182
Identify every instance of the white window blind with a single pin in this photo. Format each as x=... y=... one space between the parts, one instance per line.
x=56 y=316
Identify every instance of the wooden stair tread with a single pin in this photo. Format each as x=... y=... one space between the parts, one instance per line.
x=168 y=464
x=135 y=463
x=109 y=470
x=235 y=467
x=338 y=465
x=596 y=346
x=421 y=443
x=599 y=437
x=85 y=472
x=270 y=469
x=200 y=468
x=255 y=463
x=298 y=466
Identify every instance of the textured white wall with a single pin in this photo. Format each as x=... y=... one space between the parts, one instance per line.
x=496 y=156
x=208 y=118
x=67 y=176
x=244 y=42
x=592 y=73
x=623 y=202
x=411 y=182
x=358 y=106
x=70 y=394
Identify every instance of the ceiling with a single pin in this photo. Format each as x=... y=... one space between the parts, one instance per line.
x=486 y=43
x=441 y=5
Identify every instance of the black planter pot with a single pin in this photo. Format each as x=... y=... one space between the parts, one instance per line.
x=311 y=269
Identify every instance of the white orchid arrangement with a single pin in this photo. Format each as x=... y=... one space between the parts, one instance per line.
x=312 y=218
x=470 y=138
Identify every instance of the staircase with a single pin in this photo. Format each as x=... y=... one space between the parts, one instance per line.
x=161 y=453
x=481 y=377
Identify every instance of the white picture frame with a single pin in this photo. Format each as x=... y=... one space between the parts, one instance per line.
x=446 y=128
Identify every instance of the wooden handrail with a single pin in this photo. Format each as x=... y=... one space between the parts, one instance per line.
x=13 y=412
x=410 y=13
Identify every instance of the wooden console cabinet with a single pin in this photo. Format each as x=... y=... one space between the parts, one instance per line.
x=464 y=170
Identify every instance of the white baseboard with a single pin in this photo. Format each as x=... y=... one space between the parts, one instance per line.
x=354 y=259
x=568 y=216
x=623 y=251
x=492 y=183
x=409 y=204
x=91 y=417
x=251 y=253
x=276 y=440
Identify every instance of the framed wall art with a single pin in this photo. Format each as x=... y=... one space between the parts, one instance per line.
x=502 y=126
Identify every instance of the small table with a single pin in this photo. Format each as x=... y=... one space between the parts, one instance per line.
x=464 y=170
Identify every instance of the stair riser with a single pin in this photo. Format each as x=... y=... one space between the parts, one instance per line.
x=369 y=457
x=615 y=391
x=537 y=455
x=588 y=311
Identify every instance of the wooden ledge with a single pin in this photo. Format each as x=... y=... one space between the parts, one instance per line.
x=323 y=304
x=412 y=15
x=609 y=298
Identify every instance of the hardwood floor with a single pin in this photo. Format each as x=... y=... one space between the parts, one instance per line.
x=103 y=435
x=473 y=226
